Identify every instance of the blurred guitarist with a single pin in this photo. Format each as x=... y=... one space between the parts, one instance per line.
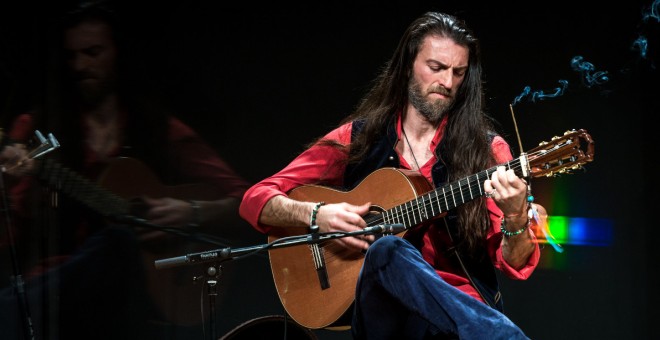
x=105 y=111
x=425 y=113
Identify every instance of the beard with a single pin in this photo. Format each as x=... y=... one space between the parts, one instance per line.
x=432 y=110
x=92 y=95
x=91 y=91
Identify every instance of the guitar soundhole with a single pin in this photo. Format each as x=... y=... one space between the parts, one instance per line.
x=373 y=214
x=374 y=210
x=372 y=219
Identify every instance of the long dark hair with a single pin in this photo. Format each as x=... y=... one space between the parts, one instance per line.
x=466 y=146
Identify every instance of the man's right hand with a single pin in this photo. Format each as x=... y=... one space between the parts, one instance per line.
x=332 y=217
x=344 y=217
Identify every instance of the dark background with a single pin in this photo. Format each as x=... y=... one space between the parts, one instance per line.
x=258 y=82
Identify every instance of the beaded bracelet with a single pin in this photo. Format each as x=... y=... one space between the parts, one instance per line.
x=513 y=233
x=312 y=216
x=196 y=219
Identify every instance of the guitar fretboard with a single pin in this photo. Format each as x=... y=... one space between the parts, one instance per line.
x=444 y=198
x=66 y=181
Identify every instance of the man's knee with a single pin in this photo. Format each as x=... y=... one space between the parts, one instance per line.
x=381 y=251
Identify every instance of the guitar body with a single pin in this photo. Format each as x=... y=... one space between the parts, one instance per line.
x=295 y=275
x=130 y=178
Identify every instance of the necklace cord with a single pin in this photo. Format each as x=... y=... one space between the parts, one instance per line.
x=411 y=149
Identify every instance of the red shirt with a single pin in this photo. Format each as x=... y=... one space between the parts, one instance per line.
x=321 y=162
x=195 y=162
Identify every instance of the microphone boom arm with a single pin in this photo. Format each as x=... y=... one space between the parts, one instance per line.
x=223 y=254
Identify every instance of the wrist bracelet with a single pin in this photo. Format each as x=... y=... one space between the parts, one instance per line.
x=196 y=216
x=513 y=233
x=312 y=216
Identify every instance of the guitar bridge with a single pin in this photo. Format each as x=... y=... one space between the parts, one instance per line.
x=319 y=264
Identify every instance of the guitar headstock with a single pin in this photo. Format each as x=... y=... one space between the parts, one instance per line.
x=46 y=145
x=561 y=155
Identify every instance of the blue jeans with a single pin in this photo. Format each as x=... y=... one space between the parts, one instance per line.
x=400 y=296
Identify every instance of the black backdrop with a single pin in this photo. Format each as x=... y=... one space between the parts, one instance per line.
x=260 y=81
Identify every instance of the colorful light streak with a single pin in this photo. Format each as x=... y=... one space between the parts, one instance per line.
x=579 y=231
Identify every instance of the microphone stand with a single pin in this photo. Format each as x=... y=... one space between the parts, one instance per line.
x=223 y=254
x=17 y=278
x=46 y=145
x=213 y=271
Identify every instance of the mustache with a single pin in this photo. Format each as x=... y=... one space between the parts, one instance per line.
x=441 y=90
x=78 y=76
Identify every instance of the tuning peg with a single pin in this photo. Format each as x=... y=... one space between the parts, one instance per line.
x=53 y=141
x=40 y=136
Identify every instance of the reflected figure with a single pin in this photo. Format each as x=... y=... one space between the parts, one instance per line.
x=131 y=184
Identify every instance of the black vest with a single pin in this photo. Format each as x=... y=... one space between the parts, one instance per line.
x=382 y=154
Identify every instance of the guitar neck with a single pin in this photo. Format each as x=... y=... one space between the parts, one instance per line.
x=81 y=189
x=445 y=198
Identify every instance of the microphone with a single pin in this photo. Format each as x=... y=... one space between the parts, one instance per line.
x=171 y=262
x=393 y=228
x=202 y=257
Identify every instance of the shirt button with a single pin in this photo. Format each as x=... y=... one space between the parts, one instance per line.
x=391 y=158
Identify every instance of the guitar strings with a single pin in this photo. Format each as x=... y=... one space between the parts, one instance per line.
x=431 y=202
x=409 y=216
x=400 y=214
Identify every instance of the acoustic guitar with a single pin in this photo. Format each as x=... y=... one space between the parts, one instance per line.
x=115 y=194
x=316 y=283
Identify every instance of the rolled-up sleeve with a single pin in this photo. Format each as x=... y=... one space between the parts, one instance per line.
x=321 y=161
